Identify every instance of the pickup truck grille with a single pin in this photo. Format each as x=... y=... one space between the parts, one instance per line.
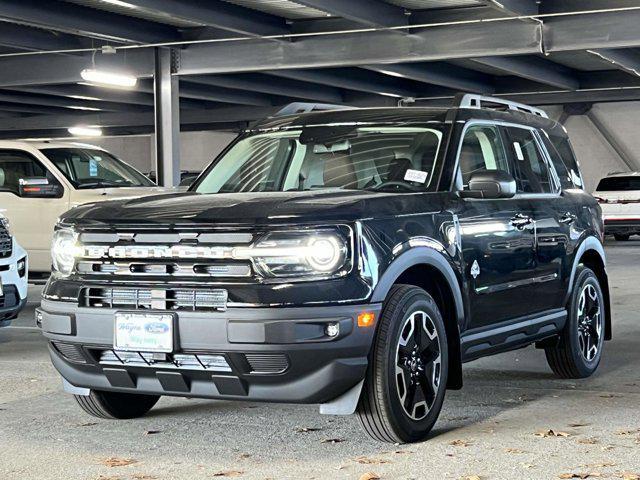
x=6 y=243
x=156 y=299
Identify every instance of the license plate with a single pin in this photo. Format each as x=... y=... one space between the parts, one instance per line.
x=144 y=332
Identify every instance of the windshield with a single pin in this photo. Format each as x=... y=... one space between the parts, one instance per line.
x=327 y=157
x=88 y=168
x=616 y=184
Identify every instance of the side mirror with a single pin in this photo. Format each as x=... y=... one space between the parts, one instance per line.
x=39 y=187
x=490 y=184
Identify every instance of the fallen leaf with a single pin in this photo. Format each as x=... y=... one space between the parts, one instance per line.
x=460 y=443
x=630 y=476
x=307 y=429
x=369 y=476
x=333 y=440
x=152 y=432
x=551 y=433
x=370 y=461
x=402 y=452
x=244 y=455
x=578 y=425
x=118 y=462
x=229 y=473
x=610 y=395
x=600 y=465
x=580 y=475
x=513 y=450
x=142 y=476
x=471 y=477
x=588 y=441
x=88 y=424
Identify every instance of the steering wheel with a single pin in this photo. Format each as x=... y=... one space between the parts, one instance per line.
x=394 y=183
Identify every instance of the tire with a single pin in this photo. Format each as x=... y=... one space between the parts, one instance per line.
x=115 y=405
x=621 y=237
x=573 y=357
x=381 y=410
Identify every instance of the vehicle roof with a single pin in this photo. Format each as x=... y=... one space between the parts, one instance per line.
x=623 y=174
x=403 y=115
x=40 y=144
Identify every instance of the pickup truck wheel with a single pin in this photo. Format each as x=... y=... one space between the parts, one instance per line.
x=115 y=405
x=408 y=366
x=579 y=351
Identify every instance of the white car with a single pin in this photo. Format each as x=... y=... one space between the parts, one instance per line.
x=619 y=197
x=41 y=180
x=13 y=275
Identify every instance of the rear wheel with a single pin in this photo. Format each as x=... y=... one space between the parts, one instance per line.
x=407 y=376
x=621 y=237
x=115 y=405
x=579 y=351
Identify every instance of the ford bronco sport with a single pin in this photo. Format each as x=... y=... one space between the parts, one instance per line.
x=350 y=258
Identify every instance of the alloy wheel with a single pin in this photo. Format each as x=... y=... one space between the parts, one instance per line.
x=418 y=365
x=589 y=322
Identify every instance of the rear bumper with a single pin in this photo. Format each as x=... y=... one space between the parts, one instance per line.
x=623 y=226
x=273 y=354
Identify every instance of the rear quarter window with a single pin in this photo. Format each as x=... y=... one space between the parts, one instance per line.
x=564 y=160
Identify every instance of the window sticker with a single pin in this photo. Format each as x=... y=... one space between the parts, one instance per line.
x=93 y=168
x=518 y=149
x=415 y=176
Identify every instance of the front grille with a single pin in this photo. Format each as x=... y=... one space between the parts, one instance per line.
x=270 y=363
x=180 y=361
x=162 y=253
x=10 y=298
x=156 y=299
x=6 y=243
x=71 y=352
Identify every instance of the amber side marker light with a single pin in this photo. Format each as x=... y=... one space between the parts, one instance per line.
x=366 y=319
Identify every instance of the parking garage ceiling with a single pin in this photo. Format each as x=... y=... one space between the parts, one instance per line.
x=238 y=60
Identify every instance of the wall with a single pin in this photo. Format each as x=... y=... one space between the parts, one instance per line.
x=597 y=158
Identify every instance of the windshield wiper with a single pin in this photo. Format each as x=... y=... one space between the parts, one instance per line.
x=103 y=184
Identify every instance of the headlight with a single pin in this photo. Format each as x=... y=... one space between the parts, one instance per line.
x=64 y=250
x=4 y=221
x=317 y=253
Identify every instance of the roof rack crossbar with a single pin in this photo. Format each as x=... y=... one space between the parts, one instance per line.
x=304 y=107
x=470 y=100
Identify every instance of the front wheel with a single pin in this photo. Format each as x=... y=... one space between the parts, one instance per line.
x=115 y=405
x=579 y=350
x=407 y=376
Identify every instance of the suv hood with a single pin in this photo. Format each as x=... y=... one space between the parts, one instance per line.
x=89 y=195
x=254 y=208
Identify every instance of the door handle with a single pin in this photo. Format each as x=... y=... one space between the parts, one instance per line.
x=521 y=221
x=567 y=219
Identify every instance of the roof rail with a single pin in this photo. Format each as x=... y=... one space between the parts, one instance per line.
x=471 y=100
x=303 y=107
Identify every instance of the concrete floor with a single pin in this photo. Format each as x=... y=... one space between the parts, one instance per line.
x=487 y=430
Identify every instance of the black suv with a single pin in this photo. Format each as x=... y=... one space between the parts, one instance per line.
x=352 y=258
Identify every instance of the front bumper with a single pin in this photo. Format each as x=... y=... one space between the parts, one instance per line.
x=13 y=285
x=274 y=354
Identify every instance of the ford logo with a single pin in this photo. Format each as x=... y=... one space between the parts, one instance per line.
x=156 y=327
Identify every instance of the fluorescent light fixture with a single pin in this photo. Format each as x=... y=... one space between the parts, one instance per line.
x=85 y=131
x=108 y=79
x=83 y=97
x=119 y=3
x=79 y=107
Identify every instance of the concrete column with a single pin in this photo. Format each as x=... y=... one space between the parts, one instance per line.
x=167 y=120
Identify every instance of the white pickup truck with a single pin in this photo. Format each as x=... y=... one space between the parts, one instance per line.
x=41 y=180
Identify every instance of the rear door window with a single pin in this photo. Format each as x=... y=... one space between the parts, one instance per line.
x=531 y=170
x=619 y=184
